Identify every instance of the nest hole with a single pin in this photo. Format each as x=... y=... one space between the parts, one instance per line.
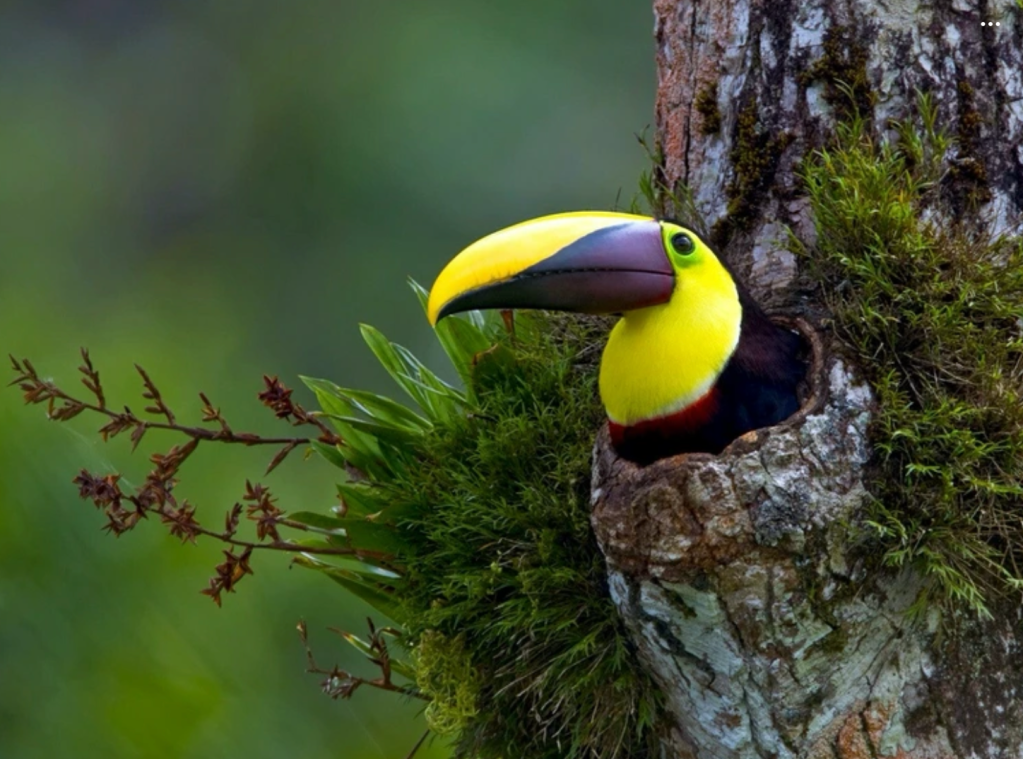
x=810 y=395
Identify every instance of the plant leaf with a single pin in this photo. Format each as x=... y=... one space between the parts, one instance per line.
x=438 y=399
x=400 y=437
x=460 y=337
x=319 y=521
x=376 y=594
x=383 y=409
x=360 y=449
x=364 y=535
x=404 y=669
x=331 y=453
x=358 y=499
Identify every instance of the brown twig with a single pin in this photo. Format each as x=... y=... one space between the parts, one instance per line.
x=275 y=396
x=342 y=684
x=124 y=510
x=415 y=749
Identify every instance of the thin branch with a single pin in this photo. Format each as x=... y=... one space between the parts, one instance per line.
x=124 y=510
x=422 y=739
x=63 y=406
x=342 y=684
x=152 y=394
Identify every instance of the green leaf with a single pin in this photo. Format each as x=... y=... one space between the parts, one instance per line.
x=336 y=406
x=359 y=449
x=462 y=342
x=400 y=437
x=331 y=453
x=377 y=594
x=404 y=669
x=460 y=337
x=366 y=568
x=416 y=370
x=393 y=513
x=438 y=399
x=364 y=535
x=383 y=409
x=388 y=357
x=359 y=499
x=319 y=521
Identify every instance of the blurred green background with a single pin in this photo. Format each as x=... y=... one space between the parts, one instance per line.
x=217 y=191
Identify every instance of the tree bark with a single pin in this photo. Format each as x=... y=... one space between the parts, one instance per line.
x=737 y=575
x=747 y=87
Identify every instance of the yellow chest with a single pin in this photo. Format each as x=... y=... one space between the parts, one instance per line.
x=659 y=360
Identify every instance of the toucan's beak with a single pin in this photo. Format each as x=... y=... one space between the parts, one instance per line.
x=590 y=262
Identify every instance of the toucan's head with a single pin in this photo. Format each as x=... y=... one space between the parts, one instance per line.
x=590 y=262
x=683 y=317
x=692 y=364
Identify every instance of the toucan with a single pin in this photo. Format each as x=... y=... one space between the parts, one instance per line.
x=692 y=364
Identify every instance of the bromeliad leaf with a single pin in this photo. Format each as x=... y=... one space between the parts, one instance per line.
x=462 y=341
x=331 y=453
x=398 y=436
x=358 y=448
x=438 y=399
x=443 y=401
x=336 y=406
x=384 y=410
x=389 y=358
x=359 y=499
x=376 y=593
x=461 y=338
x=321 y=522
x=371 y=570
x=373 y=538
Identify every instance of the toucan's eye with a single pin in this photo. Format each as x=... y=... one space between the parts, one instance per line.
x=683 y=244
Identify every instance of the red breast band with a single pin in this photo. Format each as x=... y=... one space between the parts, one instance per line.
x=677 y=425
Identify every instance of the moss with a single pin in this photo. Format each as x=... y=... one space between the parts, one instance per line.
x=501 y=552
x=484 y=504
x=967 y=181
x=447 y=677
x=707 y=106
x=843 y=70
x=754 y=157
x=931 y=314
x=834 y=642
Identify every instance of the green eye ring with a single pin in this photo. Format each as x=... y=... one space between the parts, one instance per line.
x=682 y=244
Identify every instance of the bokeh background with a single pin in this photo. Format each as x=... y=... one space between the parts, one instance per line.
x=221 y=190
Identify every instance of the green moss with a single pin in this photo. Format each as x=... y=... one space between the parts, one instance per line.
x=501 y=553
x=967 y=176
x=484 y=505
x=707 y=106
x=754 y=157
x=834 y=642
x=932 y=316
x=843 y=70
x=446 y=675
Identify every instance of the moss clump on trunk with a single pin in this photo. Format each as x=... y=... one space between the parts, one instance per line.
x=481 y=503
x=934 y=316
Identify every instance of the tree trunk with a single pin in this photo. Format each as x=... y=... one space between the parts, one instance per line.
x=736 y=574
